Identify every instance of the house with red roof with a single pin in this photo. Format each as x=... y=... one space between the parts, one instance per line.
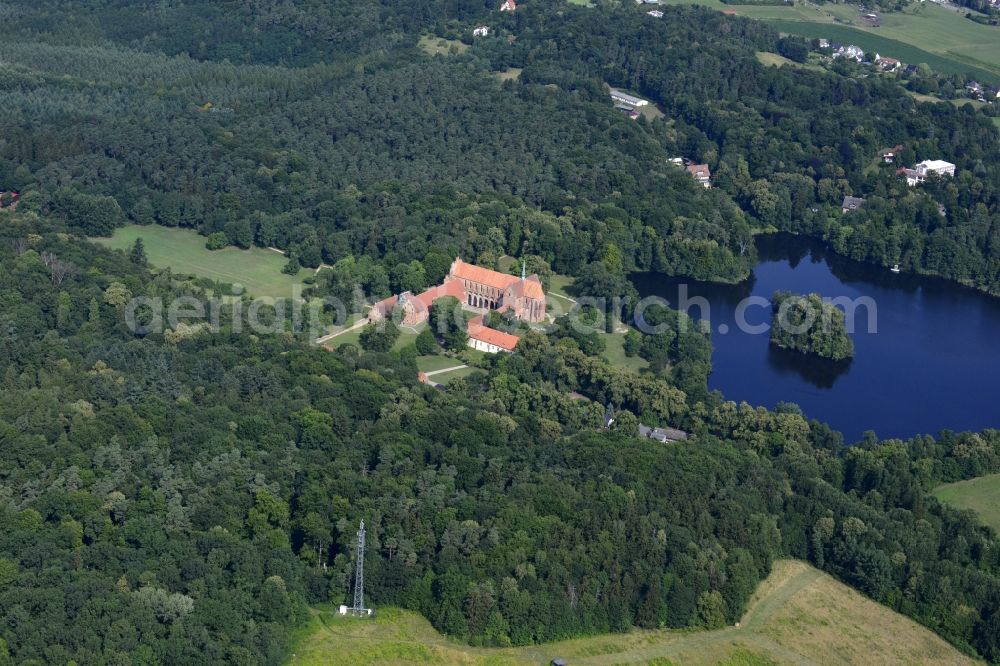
x=489 y=340
x=480 y=290
x=701 y=173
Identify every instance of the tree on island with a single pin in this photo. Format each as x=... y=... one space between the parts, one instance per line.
x=809 y=325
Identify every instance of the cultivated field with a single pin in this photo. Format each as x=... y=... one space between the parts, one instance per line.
x=981 y=495
x=798 y=616
x=183 y=251
x=926 y=33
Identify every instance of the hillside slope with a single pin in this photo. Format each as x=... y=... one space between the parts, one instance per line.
x=798 y=615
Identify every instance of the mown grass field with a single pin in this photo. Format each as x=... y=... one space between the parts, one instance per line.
x=981 y=494
x=407 y=336
x=437 y=362
x=941 y=38
x=768 y=58
x=797 y=616
x=907 y=52
x=430 y=363
x=445 y=377
x=509 y=74
x=183 y=251
x=439 y=46
x=614 y=352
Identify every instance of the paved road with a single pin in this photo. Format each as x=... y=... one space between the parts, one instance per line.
x=444 y=370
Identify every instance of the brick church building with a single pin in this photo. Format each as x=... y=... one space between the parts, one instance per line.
x=485 y=289
x=478 y=289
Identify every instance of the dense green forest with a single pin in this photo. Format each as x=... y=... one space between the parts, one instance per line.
x=181 y=496
x=304 y=158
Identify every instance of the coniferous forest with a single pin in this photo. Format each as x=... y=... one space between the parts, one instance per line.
x=178 y=497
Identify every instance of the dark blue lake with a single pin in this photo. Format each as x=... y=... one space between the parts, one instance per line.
x=932 y=364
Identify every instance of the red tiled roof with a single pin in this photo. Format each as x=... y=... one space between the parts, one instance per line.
x=386 y=305
x=533 y=288
x=491 y=336
x=447 y=289
x=530 y=287
x=482 y=275
x=699 y=169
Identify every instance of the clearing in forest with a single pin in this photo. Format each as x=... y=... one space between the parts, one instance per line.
x=183 y=251
x=440 y=46
x=981 y=494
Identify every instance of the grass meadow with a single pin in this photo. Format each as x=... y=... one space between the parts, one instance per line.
x=183 y=251
x=981 y=495
x=798 y=615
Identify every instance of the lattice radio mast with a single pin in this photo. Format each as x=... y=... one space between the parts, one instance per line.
x=359 y=579
x=359 y=574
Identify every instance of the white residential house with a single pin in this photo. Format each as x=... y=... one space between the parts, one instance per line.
x=625 y=98
x=481 y=31
x=853 y=52
x=888 y=64
x=919 y=173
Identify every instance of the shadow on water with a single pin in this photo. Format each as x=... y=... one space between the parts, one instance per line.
x=792 y=249
x=931 y=360
x=820 y=372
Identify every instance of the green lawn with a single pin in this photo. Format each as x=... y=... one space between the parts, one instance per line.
x=183 y=251
x=439 y=46
x=559 y=283
x=615 y=353
x=407 y=336
x=981 y=495
x=432 y=363
x=768 y=58
x=446 y=377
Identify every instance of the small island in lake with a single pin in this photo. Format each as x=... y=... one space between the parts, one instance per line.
x=809 y=325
